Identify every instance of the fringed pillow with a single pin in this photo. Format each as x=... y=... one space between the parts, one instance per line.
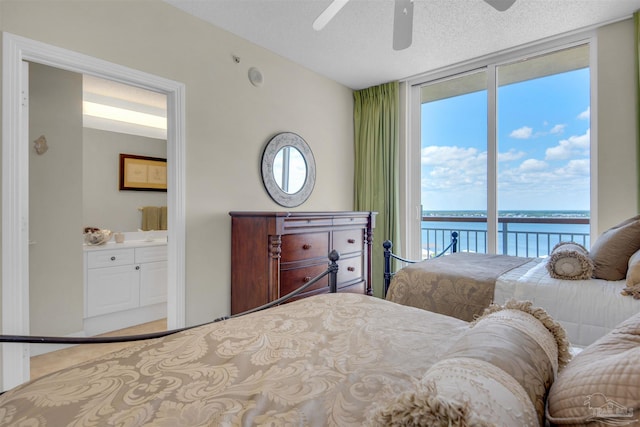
x=570 y=261
x=497 y=373
x=633 y=277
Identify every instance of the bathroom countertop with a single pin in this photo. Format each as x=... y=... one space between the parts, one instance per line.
x=125 y=245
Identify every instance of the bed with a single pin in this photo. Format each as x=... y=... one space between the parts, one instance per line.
x=348 y=360
x=326 y=360
x=462 y=284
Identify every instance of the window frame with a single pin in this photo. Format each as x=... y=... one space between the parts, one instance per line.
x=410 y=201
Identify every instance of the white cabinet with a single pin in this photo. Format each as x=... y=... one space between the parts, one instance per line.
x=111 y=289
x=128 y=278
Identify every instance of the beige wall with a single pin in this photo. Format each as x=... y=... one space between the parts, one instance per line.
x=55 y=202
x=228 y=121
x=104 y=205
x=617 y=177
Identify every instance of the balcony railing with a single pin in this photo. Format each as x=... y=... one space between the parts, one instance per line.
x=526 y=237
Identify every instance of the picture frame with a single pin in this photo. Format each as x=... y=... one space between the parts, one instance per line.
x=143 y=173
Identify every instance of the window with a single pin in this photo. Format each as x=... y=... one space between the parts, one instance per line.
x=505 y=155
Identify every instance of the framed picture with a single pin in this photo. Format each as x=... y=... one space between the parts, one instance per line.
x=143 y=173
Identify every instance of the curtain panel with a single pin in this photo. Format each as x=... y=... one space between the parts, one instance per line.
x=376 y=181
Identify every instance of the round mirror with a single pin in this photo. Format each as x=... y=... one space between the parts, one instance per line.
x=288 y=169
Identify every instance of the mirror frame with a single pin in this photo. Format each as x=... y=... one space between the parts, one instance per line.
x=272 y=148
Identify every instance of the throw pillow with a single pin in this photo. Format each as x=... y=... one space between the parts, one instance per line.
x=600 y=385
x=633 y=277
x=611 y=251
x=498 y=373
x=570 y=261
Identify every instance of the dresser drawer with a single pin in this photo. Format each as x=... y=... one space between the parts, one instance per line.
x=290 y=280
x=349 y=269
x=347 y=241
x=275 y=253
x=297 y=247
x=110 y=258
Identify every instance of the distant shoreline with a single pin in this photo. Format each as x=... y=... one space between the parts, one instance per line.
x=511 y=213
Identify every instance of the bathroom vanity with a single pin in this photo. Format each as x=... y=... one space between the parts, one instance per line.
x=125 y=283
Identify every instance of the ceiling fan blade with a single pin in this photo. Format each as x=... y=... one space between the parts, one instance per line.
x=402 y=24
x=328 y=14
x=500 y=5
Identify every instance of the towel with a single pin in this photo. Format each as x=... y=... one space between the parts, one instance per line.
x=150 y=218
x=164 y=219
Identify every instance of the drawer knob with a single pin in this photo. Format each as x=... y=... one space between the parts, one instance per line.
x=137 y=267
x=306 y=246
x=307 y=279
x=351 y=240
x=351 y=268
x=113 y=258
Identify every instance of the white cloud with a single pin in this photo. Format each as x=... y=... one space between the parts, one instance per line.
x=435 y=155
x=580 y=167
x=532 y=165
x=586 y=114
x=524 y=132
x=453 y=167
x=558 y=128
x=510 y=155
x=455 y=176
x=461 y=173
x=571 y=147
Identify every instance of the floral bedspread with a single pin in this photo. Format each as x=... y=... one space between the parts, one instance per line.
x=327 y=360
x=460 y=285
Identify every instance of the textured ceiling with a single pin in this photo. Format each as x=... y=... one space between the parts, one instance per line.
x=355 y=48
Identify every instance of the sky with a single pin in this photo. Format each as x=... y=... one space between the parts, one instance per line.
x=543 y=147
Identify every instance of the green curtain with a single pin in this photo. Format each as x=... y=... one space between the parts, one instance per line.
x=376 y=121
x=636 y=41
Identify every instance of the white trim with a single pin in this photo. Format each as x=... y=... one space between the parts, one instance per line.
x=412 y=165
x=593 y=137
x=15 y=217
x=492 y=159
x=498 y=58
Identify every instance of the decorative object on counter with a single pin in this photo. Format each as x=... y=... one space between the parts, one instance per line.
x=96 y=236
x=288 y=169
x=40 y=145
x=143 y=173
x=119 y=237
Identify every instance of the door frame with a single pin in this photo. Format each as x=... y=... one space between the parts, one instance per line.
x=15 y=185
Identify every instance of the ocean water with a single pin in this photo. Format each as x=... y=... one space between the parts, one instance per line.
x=521 y=239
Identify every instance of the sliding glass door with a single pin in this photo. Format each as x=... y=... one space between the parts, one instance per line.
x=453 y=158
x=505 y=155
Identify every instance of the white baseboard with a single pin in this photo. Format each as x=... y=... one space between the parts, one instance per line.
x=107 y=323
x=123 y=319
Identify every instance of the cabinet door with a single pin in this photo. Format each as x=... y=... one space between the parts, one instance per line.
x=153 y=283
x=112 y=289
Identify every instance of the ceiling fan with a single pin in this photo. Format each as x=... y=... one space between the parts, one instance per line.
x=402 y=18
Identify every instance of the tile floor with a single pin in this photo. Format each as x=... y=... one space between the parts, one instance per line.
x=50 y=362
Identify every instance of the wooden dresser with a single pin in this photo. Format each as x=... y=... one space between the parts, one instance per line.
x=274 y=253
